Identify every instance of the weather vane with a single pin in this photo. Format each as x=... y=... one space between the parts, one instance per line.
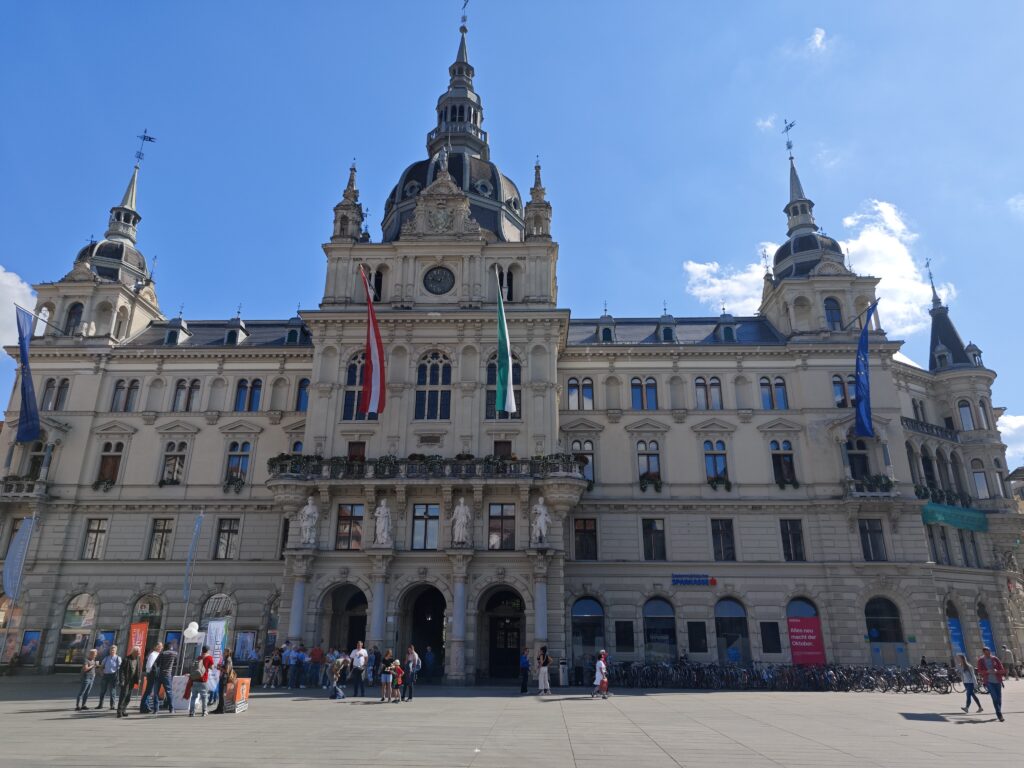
x=143 y=138
x=764 y=259
x=238 y=312
x=789 y=126
x=181 y=309
x=464 y=17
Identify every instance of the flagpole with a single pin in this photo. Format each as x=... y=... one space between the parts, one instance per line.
x=41 y=320
x=17 y=591
x=859 y=316
x=190 y=568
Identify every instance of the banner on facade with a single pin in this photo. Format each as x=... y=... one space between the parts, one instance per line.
x=805 y=640
x=236 y=696
x=137 y=634
x=14 y=563
x=987 y=637
x=216 y=633
x=956 y=636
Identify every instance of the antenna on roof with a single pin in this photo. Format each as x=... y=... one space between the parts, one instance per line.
x=790 y=125
x=143 y=138
x=181 y=309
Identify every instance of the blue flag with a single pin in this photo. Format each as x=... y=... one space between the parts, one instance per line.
x=28 y=419
x=864 y=428
x=192 y=553
x=14 y=564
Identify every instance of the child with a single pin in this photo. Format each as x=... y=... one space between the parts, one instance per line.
x=396 y=682
x=337 y=674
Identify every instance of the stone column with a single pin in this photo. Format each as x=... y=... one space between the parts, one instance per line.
x=457 y=645
x=44 y=469
x=298 y=608
x=379 y=573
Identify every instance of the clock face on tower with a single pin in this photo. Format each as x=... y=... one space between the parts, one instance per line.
x=439 y=280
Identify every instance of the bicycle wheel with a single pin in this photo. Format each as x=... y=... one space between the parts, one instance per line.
x=958 y=686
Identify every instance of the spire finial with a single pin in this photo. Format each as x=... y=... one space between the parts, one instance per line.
x=238 y=311
x=143 y=138
x=664 y=307
x=606 y=306
x=181 y=309
x=789 y=126
x=936 y=301
x=764 y=259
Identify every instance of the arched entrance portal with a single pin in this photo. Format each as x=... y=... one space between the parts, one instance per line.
x=344 y=617
x=885 y=633
x=502 y=634
x=423 y=625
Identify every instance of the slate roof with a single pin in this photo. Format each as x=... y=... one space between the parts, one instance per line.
x=211 y=333
x=687 y=330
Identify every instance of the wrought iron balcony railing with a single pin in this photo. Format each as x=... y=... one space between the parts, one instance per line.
x=933 y=430
x=297 y=466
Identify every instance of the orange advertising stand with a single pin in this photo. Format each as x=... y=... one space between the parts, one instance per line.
x=236 y=696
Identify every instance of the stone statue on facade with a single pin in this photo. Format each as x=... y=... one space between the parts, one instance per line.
x=541 y=521
x=462 y=517
x=382 y=524
x=309 y=516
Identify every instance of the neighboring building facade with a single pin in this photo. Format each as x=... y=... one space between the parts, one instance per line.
x=704 y=492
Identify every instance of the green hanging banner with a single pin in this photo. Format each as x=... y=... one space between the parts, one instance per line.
x=955 y=517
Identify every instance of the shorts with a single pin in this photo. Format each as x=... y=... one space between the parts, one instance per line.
x=386 y=677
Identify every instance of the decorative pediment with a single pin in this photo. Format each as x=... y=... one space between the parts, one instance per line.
x=781 y=425
x=115 y=428
x=582 y=426
x=177 y=427
x=241 y=427
x=646 y=425
x=48 y=425
x=841 y=428
x=826 y=267
x=713 y=426
x=295 y=426
x=442 y=211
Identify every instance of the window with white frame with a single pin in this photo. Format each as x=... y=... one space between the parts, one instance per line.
x=110 y=462
x=248 y=394
x=715 y=463
x=95 y=538
x=643 y=393
x=773 y=394
x=580 y=394
x=433 y=388
x=648 y=458
x=584 y=450
x=980 y=479
x=783 y=464
x=355 y=375
x=239 y=454
x=173 y=471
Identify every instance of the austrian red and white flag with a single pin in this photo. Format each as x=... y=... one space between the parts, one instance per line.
x=371 y=399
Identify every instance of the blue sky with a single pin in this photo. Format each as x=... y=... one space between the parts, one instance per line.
x=658 y=126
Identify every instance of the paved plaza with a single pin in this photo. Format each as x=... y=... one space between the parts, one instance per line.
x=483 y=727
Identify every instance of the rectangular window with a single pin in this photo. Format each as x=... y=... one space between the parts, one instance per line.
x=503 y=449
x=944 y=553
x=424 y=525
x=160 y=539
x=871 y=539
x=110 y=464
x=697 y=636
x=933 y=548
x=501 y=526
x=356 y=450
x=965 y=554
x=285 y=530
x=624 y=636
x=723 y=540
x=792 y=540
x=350 y=527
x=95 y=537
x=654 y=538
x=770 y=640
x=586 y=538
x=227 y=538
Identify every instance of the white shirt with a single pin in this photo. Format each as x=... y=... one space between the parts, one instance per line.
x=600 y=671
x=151 y=660
x=359 y=657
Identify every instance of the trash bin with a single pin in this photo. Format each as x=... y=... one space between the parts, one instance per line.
x=563 y=673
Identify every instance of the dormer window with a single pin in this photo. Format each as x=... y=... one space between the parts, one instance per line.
x=942 y=360
x=171 y=338
x=292 y=337
x=728 y=334
x=666 y=334
x=606 y=335
x=231 y=338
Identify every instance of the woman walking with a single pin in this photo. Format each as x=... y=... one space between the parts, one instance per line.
x=543 y=677
x=385 y=675
x=412 y=668
x=227 y=675
x=970 y=681
x=601 y=676
x=88 y=678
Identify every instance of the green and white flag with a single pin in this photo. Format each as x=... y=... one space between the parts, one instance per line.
x=506 y=396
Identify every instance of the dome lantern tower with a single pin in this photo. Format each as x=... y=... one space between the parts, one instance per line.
x=460 y=112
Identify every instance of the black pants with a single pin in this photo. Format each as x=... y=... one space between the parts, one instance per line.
x=357 y=682
x=124 y=699
x=524 y=680
x=407 y=686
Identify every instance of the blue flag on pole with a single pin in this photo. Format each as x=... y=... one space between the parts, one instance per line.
x=863 y=427
x=192 y=552
x=28 y=419
x=14 y=564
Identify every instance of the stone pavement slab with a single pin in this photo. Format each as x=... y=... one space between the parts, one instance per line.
x=498 y=728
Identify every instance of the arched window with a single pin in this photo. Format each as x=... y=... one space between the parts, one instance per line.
x=928 y=465
x=241 y=394
x=943 y=467
x=62 y=395
x=715 y=465
x=117 y=401
x=219 y=606
x=76 y=630
x=587 y=394
x=74 y=319
x=715 y=402
x=857 y=455
x=839 y=392
x=255 y=391
x=912 y=461
x=238 y=460
x=247 y=394
x=131 y=399
x=174 y=463
x=801 y=608
x=192 y=401
x=573 y=394
x=433 y=387
x=292 y=337
x=644 y=394
x=767 y=398
x=232 y=338
x=883 y=621
x=984 y=419
x=36 y=455
x=958 y=474
x=781 y=396
x=966 y=415
x=980 y=479
x=648 y=459
x=606 y=334
x=584 y=450
x=49 y=395
x=587 y=632
x=833 y=314
x=732 y=632
x=728 y=334
x=659 y=631
x=354 y=373
x=297 y=446
x=302 y=396
x=700 y=386
x=783 y=465
x=666 y=334
x=148 y=608
x=491 y=401
x=110 y=462
x=180 y=395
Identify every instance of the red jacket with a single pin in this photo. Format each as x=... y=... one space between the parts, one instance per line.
x=997 y=666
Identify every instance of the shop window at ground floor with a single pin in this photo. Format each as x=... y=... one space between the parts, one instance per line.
x=697 y=636
x=771 y=642
x=624 y=642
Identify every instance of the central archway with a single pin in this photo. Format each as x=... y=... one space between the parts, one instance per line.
x=502 y=633
x=423 y=625
x=343 y=617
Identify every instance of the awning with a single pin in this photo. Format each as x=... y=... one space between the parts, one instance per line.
x=956 y=517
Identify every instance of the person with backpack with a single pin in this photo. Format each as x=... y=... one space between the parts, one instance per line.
x=128 y=676
x=413 y=665
x=543 y=678
x=197 y=679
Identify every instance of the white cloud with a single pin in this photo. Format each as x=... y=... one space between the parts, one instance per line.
x=880 y=246
x=1012 y=430
x=739 y=289
x=765 y=123
x=816 y=43
x=1016 y=205
x=13 y=290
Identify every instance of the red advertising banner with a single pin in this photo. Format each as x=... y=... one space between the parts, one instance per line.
x=137 y=637
x=805 y=640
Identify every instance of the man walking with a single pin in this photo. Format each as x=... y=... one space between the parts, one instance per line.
x=149 y=673
x=359 y=658
x=128 y=676
x=199 y=678
x=111 y=664
x=990 y=669
x=164 y=666
x=524 y=670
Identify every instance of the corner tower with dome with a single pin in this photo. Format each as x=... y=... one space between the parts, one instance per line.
x=667 y=484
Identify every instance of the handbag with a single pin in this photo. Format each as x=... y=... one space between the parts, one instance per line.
x=603 y=687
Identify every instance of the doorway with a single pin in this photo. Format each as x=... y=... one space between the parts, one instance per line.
x=424 y=627
x=344 y=621
x=506 y=634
